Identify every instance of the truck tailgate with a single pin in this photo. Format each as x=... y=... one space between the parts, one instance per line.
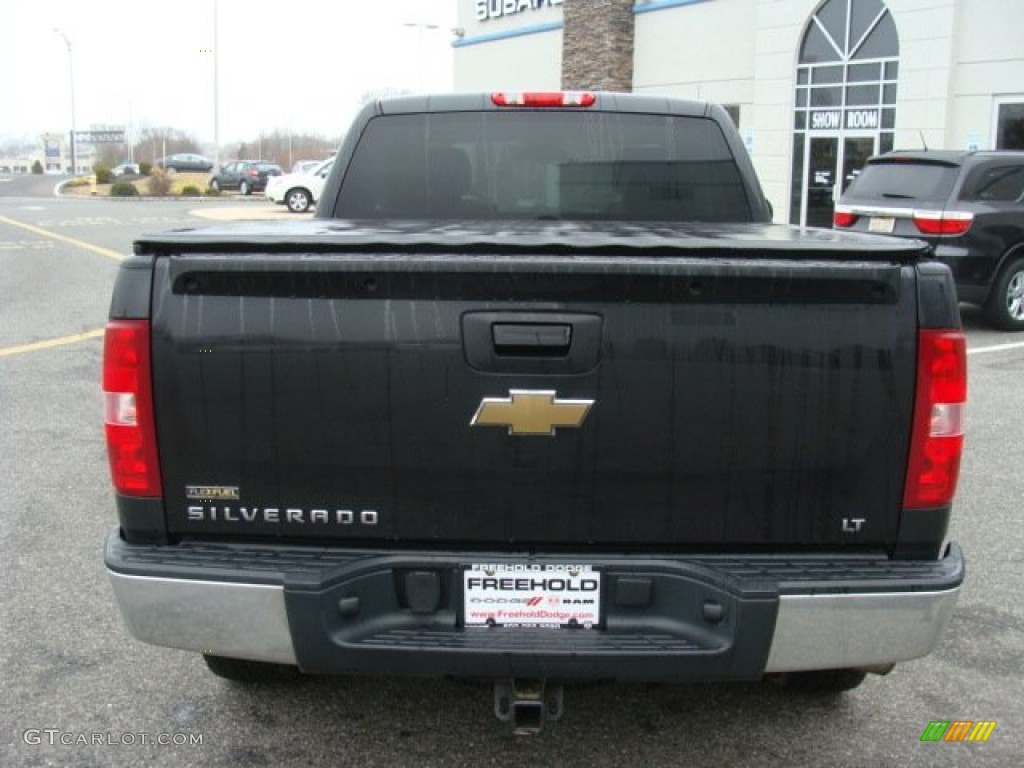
x=761 y=400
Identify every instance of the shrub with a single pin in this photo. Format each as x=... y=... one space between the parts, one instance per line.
x=37 y=167
x=212 y=192
x=145 y=168
x=123 y=189
x=190 y=191
x=103 y=174
x=159 y=182
x=78 y=182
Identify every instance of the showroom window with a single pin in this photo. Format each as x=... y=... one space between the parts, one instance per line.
x=844 y=102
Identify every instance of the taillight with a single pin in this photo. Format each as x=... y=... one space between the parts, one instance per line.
x=937 y=437
x=943 y=223
x=544 y=99
x=128 y=406
x=843 y=218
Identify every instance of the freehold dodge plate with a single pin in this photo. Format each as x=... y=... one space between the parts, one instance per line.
x=531 y=595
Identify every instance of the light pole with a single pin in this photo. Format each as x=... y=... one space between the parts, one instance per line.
x=71 y=74
x=130 y=135
x=216 y=89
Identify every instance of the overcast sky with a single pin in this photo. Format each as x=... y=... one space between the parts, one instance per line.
x=298 y=65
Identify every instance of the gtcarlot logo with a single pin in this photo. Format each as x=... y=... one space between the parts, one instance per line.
x=958 y=730
x=56 y=737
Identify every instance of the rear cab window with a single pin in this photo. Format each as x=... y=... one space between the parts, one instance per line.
x=564 y=165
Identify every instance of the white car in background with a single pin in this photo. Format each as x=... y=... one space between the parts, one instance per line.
x=125 y=169
x=299 y=191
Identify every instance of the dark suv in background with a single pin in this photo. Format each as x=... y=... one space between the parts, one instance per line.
x=185 y=162
x=247 y=176
x=968 y=205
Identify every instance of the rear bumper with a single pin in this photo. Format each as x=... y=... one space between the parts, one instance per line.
x=702 y=618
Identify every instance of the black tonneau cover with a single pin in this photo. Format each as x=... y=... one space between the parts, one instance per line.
x=514 y=237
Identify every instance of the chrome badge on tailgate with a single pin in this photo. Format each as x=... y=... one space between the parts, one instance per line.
x=531 y=412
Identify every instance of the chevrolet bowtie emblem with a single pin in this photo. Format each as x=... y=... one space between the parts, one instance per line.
x=530 y=412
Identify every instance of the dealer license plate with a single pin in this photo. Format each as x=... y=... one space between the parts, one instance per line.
x=531 y=595
x=882 y=224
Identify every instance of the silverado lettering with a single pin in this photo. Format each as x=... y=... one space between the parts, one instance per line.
x=274 y=515
x=727 y=449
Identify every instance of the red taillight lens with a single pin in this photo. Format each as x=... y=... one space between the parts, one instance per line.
x=544 y=99
x=843 y=218
x=128 y=406
x=937 y=439
x=939 y=223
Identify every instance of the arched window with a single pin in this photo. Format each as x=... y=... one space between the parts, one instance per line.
x=845 y=101
x=849 y=30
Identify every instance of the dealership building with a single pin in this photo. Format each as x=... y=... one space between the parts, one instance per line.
x=814 y=86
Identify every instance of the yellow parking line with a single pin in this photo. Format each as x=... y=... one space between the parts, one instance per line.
x=63 y=238
x=50 y=343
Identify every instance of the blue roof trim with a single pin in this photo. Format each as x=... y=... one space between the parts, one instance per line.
x=520 y=32
x=661 y=5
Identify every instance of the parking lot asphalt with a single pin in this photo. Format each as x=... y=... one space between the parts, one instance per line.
x=70 y=671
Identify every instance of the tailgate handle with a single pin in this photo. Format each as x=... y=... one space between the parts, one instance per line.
x=510 y=341
x=532 y=339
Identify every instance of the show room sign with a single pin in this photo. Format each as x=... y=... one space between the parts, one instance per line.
x=832 y=119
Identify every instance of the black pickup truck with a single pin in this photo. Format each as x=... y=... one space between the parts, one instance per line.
x=540 y=396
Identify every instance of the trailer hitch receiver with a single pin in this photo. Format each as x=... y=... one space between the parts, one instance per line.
x=527 y=704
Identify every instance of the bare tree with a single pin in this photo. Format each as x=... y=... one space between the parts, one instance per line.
x=155 y=143
x=284 y=148
x=111 y=154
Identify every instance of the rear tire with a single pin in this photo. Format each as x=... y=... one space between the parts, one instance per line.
x=246 y=671
x=1005 y=305
x=823 y=681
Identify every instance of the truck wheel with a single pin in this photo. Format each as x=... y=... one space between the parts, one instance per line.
x=297 y=200
x=245 y=671
x=823 y=680
x=1005 y=305
x=244 y=188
